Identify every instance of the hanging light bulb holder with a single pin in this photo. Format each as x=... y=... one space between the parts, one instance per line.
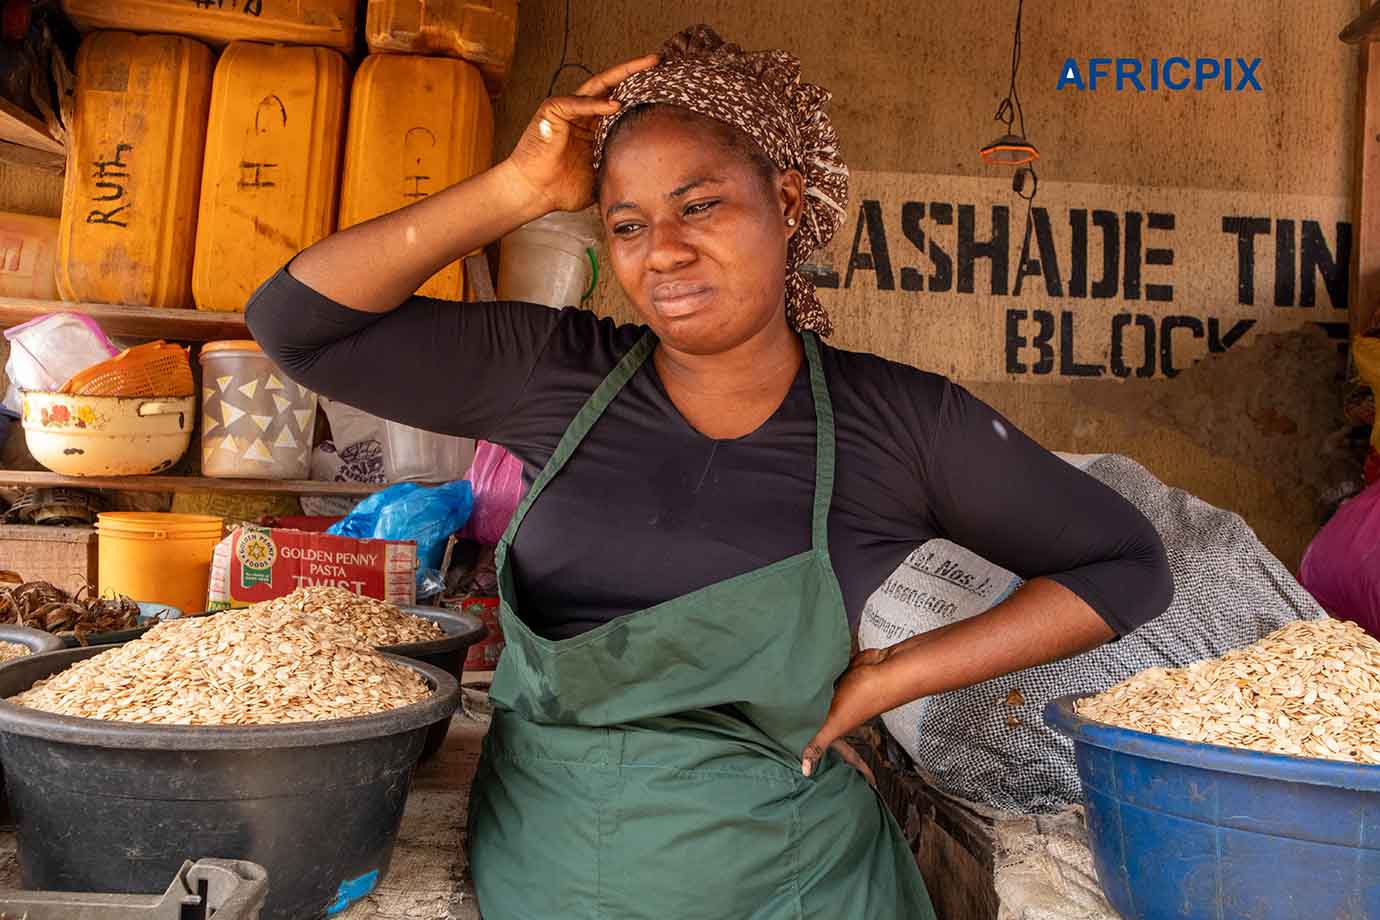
x=1009 y=150
x=1012 y=148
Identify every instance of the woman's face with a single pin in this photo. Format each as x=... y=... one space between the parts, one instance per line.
x=696 y=234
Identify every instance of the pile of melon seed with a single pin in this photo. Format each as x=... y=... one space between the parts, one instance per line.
x=1309 y=689
x=266 y=664
x=375 y=622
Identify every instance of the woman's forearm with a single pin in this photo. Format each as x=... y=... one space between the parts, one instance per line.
x=376 y=265
x=1040 y=623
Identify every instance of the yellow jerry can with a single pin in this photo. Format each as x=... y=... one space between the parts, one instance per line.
x=129 y=202
x=272 y=166
x=417 y=125
x=483 y=32
x=329 y=23
x=28 y=256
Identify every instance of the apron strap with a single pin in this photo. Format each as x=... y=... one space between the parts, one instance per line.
x=580 y=426
x=824 y=445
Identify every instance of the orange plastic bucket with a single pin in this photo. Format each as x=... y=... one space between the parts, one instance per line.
x=157 y=557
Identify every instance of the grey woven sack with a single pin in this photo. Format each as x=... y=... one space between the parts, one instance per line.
x=987 y=743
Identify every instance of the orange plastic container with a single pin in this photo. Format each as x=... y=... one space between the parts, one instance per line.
x=417 y=125
x=158 y=557
x=28 y=256
x=329 y=23
x=483 y=32
x=272 y=169
x=134 y=157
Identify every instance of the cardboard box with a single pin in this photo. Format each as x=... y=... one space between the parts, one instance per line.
x=62 y=556
x=256 y=564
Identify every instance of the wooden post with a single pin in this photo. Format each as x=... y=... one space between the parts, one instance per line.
x=1365 y=286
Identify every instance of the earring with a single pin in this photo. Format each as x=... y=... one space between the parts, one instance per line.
x=790 y=222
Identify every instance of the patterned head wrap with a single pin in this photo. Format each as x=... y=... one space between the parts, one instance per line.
x=760 y=94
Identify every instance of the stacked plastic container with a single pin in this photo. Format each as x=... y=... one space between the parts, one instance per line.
x=183 y=190
x=420 y=121
x=272 y=170
x=134 y=170
x=417 y=125
x=328 y=23
x=483 y=32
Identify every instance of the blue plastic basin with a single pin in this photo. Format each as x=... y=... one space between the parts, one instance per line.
x=1195 y=831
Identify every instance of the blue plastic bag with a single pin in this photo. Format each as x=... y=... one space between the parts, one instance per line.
x=426 y=515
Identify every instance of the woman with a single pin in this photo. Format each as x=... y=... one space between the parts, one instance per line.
x=712 y=498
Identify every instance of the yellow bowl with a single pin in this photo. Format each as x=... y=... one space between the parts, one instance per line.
x=107 y=435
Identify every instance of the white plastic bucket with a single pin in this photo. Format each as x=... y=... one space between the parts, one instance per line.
x=414 y=455
x=551 y=260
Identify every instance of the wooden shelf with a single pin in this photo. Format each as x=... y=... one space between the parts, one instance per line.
x=19 y=127
x=43 y=479
x=133 y=322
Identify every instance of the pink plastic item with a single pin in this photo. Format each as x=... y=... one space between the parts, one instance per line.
x=1342 y=565
x=496 y=478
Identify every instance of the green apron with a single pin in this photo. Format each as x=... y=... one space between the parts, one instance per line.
x=650 y=768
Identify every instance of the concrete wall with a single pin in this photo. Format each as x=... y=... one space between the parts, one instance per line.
x=916 y=83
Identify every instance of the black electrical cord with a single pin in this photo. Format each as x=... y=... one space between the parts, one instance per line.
x=562 y=67
x=1025 y=184
x=1010 y=109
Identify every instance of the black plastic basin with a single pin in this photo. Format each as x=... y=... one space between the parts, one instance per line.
x=118 y=806
x=115 y=637
x=448 y=653
x=35 y=640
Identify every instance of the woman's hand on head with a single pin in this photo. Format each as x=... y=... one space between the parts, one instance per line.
x=554 y=157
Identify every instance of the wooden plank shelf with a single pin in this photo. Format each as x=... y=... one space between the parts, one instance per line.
x=44 y=479
x=133 y=322
x=19 y=127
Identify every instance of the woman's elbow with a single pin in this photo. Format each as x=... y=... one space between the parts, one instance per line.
x=259 y=314
x=295 y=359
x=1158 y=587
x=263 y=328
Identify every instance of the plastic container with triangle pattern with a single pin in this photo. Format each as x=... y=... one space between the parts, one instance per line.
x=272 y=169
x=417 y=125
x=134 y=156
x=328 y=23
x=483 y=32
x=28 y=256
x=255 y=422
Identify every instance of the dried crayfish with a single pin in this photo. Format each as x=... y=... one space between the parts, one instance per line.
x=44 y=606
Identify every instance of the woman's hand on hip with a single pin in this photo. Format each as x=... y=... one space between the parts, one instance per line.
x=856 y=695
x=555 y=155
x=1041 y=622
